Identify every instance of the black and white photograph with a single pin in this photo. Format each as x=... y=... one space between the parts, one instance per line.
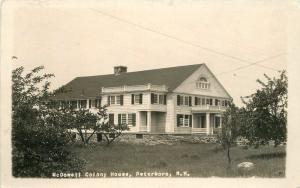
x=186 y=91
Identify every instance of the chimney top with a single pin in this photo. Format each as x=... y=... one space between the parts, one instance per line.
x=120 y=70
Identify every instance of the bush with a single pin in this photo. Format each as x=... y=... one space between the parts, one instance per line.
x=40 y=147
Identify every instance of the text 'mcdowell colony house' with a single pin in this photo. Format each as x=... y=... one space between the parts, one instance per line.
x=175 y=100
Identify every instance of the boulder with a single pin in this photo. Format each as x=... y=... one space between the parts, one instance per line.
x=247 y=166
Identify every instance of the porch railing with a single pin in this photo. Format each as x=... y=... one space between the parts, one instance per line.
x=209 y=107
x=125 y=88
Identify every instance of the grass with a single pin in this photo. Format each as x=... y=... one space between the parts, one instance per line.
x=199 y=160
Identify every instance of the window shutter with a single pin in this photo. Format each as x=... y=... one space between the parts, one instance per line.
x=190 y=101
x=141 y=98
x=111 y=119
x=165 y=99
x=132 y=98
x=133 y=119
x=121 y=99
x=108 y=100
x=119 y=119
x=196 y=101
x=178 y=100
x=152 y=98
x=190 y=120
x=178 y=119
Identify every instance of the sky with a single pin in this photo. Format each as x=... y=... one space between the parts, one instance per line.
x=85 y=39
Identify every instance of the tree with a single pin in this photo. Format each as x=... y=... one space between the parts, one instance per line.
x=89 y=122
x=108 y=128
x=266 y=112
x=40 y=145
x=84 y=121
x=230 y=129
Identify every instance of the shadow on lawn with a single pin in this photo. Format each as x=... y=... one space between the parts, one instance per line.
x=267 y=155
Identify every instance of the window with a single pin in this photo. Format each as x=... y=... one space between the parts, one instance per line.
x=112 y=99
x=184 y=100
x=123 y=118
x=161 y=99
x=202 y=83
x=115 y=100
x=181 y=100
x=82 y=104
x=137 y=98
x=97 y=103
x=184 y=120
x=118 y=99
x=180 y=120
x=155 y=98
x=158 y=98
x=203 y=101
x=216 y=102
x=111 y=118
x=223 y=103
x=132 y=119
x=129 y=119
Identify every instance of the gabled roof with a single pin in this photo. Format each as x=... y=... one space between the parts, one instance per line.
x=90 y=86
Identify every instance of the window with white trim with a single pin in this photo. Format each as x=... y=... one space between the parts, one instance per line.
x=202 y=83
x=184 y=120
x=118 y=99
x=123 y=119
x=114 y=100
x=158 y=98
x=137 y=98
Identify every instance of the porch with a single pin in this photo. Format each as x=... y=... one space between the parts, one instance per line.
x=206 y=123
x=152 y=122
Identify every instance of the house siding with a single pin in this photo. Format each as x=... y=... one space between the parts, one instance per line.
x=164 y=116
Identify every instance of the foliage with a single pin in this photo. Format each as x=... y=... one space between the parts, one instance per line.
x=230 y=129
x=265 y=114
x=107 y=128
x=88 y=122
x=40 y=145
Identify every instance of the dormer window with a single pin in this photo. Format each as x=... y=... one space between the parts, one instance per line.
x=202 y=83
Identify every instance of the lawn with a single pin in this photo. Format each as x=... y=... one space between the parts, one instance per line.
x=199 y=160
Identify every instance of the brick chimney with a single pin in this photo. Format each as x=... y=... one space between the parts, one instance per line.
x=120 y=70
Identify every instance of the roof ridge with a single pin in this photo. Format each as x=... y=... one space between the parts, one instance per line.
x=144 y=70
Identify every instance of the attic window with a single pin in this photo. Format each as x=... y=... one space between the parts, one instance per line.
x=202 y=83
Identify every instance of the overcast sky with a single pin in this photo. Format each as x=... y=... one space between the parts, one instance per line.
x=90 y=39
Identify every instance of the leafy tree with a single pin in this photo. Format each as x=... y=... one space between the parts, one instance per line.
x=40 y=145
x=108 y=128
x=265 y=113
x=84 y=121
x=89 y=122
x=230 y=129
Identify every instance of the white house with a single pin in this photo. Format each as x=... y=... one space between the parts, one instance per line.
x=176 y=100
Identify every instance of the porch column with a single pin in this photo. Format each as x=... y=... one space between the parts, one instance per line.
x=87 y=104
x=148 y=121
x=138 y=121
x=77 y=104
x=221 y=121
x=207 y=123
